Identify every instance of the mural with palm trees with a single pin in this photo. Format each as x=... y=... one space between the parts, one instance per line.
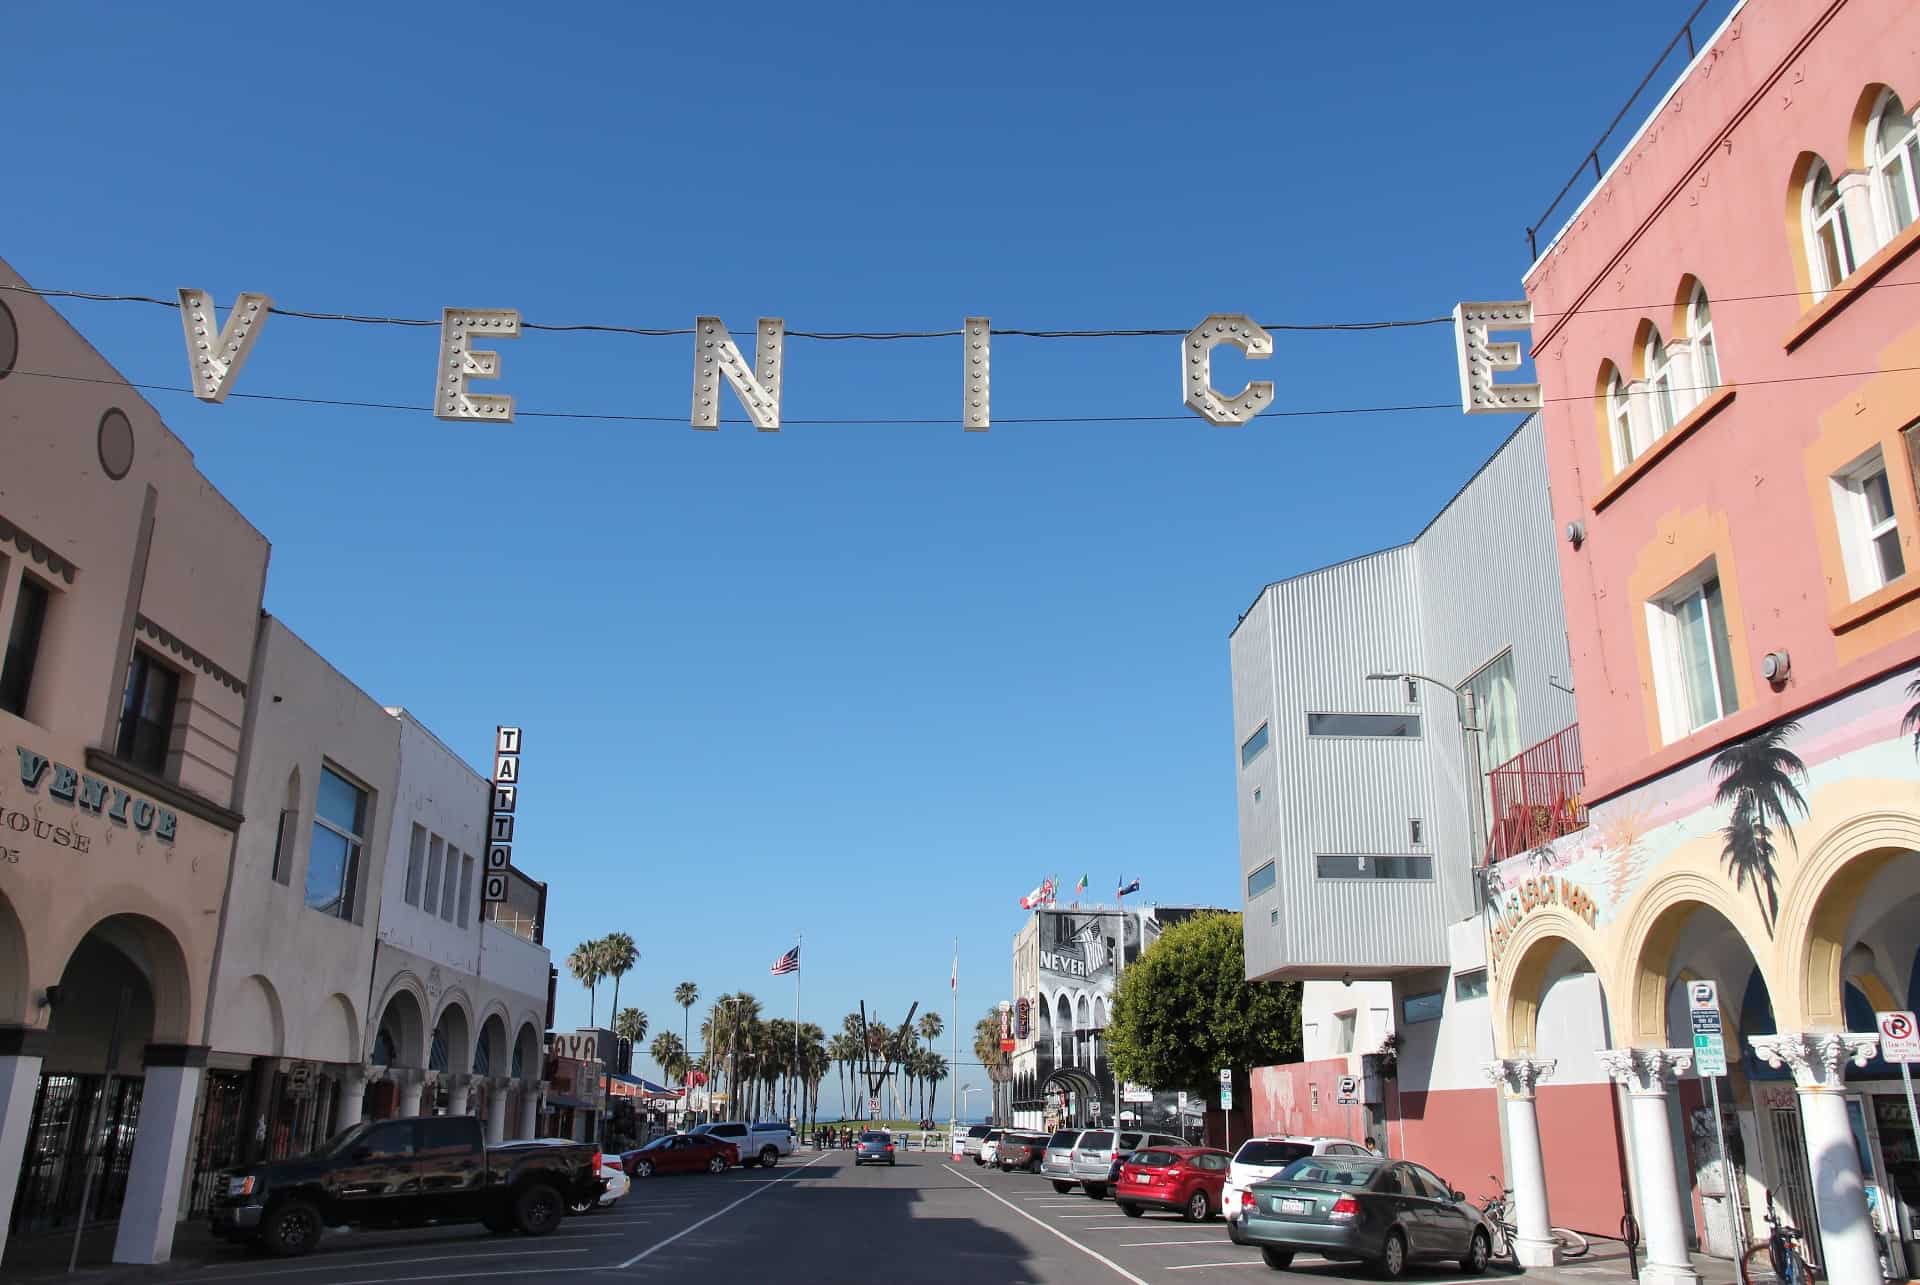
x=1910 y=721
x=1760 y=778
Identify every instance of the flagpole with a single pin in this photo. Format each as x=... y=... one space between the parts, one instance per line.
x=799 y=941
x=953 y=1099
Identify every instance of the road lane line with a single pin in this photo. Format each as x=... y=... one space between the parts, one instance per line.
x=1192 y=1267
x=1050 y=1229
x=334 y=1266
x=1142 y=1244
x=724 y=1209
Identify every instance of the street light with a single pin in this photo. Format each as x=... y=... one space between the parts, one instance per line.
x=965 y=1089
x=1466 y=710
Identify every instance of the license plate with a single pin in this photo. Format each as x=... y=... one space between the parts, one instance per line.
x=1293 y=1206
x=1141 y=1177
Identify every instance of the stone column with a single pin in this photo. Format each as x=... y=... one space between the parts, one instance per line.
x=412 y=1085
x=529 y=1108
x=497 y=1112
x=21 y=1048
x=457 y=1088
x=1515 y=1079
x=1646 y=1072
x=351 y=1103
x=161 y=1153
x=1819 y=1064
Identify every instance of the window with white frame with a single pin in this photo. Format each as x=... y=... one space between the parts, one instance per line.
x=416 y=863
x=1830 y=252
x=1693 y=657
x=448 y=889
x=1893 y=148
x=1706 y=356
x=339 y=835
x=1869 y=531
x=430 y=894
x=1662 y=410
x=1620 y=423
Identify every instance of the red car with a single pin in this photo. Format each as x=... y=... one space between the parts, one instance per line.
x=1188 y=1179
x=681 y=1153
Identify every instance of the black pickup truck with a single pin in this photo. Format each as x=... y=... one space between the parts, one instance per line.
x=405 y=1173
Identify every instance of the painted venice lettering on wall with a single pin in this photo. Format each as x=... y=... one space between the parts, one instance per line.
x=87 y=796
x=216 y=352
x=1529 y=895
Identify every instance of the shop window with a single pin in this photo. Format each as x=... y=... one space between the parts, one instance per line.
x=1251 y=747
x=416 y=863
x=339 y=837
x=1869 y=530
x=23 y=645
x=1893 y=146
x=1693 y=659
x=146 y=714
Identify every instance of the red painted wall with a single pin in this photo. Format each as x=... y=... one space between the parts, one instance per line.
x=1455 y=1133
x=1579 y=1137
x=1284 y=1101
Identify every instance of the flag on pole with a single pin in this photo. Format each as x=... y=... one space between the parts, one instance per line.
x=1126 y=889
x=1041 y=896
x=1080 y=888
x=787 y=963
x=954 y=983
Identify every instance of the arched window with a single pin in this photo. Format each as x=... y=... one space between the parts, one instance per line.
x=1830 y=253
x=1661 y=408
x=1893 y=149
x=1706 y=358
x=1620 y=422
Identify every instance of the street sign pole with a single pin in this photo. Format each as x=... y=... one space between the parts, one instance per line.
x=1710 y=1062
x=1900 y=1042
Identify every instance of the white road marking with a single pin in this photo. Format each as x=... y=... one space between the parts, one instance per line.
x=1142 y=1244
x=1072 y=1217
x=1189 y=1267
x=256 y=1273
x=1090 y=1252
x=765 y=1185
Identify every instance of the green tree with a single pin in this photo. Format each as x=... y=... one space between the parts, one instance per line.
x=618 y=955
x=686 y=994
x=931 y=1028
x=1910 y=721
x=998 y=1065
x=587 y=963
x=1759 y=777
x=1185 y=1009
x=670 y=1055
x=630 y=1024
x=936 y=1073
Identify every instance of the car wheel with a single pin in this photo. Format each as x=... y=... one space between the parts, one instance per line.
x=1393 y=1257
x=537 y=1209
x=644 y=1168
x=1062 y=1187
x=769 y=1157
x=1233 y=1232
x=290 y=1229
x=1278 y=1259
x=1197 y=1210
x=717 y=1165
x=1477 y=1254
x=1096 y=1191
x=1130 y=1210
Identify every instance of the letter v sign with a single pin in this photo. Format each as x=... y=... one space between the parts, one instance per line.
x=214 y=359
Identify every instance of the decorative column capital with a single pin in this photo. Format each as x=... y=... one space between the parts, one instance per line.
x=1818 y=1061
x=1518 y=1075
x=1645 y=1070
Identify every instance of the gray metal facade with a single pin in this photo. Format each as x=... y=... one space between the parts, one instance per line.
x=1482 y=578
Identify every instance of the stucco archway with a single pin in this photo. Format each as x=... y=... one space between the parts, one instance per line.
x=1547 y=947
x=334 y=1033
x=490 y=1049
x=15 y=995
x=452 y=1047
x=526 y=1064
x=400 y=1039
x=1820 y=913
x=255 y=1017
x=1689 y=921
x=129 y=953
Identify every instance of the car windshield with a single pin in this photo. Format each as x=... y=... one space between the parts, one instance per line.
x=340 y=1142
x=1259 y=1152
x=659 y=1144
x=1335 y=1171
x=1096 y=1140
x=1155 y=1159
x=1063 y=1138
x=978 y=1131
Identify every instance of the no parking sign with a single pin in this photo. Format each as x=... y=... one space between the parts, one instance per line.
x=1899 y=1036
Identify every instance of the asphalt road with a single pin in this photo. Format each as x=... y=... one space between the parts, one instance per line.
x=816 y=1218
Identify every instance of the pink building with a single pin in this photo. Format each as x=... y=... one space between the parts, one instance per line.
x=1727 y=338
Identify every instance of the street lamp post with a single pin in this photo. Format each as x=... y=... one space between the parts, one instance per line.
x=1467 y=710
x=965 y=1089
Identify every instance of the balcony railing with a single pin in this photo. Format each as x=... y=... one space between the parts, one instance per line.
x=1536 y=796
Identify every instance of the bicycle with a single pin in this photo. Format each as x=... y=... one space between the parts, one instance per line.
x=1498 y=1212
x=1779 y=1259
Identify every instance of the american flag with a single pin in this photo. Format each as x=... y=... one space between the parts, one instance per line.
x=787 y=963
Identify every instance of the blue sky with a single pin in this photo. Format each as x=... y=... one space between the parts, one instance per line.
x=869 y=682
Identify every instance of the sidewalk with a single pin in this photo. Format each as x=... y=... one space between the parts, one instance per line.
x=44 y=1257
x=1606 y=1264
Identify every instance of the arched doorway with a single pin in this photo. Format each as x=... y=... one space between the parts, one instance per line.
x=1071 y=1097
x=124 y=988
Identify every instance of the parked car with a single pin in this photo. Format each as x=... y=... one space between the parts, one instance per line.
x=875 y=1146
x=388 y=1173
x=970 y=1140
x=1057 y=1164
x=615 y=1174
x=1098 y=1154
x=988 y=1145
x=1021 y=1151
x=758 y=1144
x=1189 y=1179
x=681 y=1153
x=1368 y=1208
x=1259 y=1158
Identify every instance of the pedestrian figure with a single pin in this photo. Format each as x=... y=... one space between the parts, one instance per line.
x=1373 y=1146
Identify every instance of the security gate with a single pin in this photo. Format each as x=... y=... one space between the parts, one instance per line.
x=53 y=1165
x=221 y=1119
x=1795 y=1179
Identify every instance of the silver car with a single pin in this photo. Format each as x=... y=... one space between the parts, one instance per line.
x=1058 y=1163
x=1098 y=1154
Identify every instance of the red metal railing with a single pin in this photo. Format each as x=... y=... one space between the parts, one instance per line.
x=1537 y=796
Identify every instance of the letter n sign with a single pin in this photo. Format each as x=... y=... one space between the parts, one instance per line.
x=503 y=799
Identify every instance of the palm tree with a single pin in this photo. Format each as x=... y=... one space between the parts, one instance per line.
x=1910 y=721
x=1757 y=776
x=931 y=1028
x=630 y=1024
x=843 y=1051
x=935 y=1071
x=685 y=994
x=618 y=956
x=670 y=1055
x=587 y=963
x=986 y=1047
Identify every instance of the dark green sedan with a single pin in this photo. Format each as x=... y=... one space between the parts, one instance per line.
x=1367 y=1208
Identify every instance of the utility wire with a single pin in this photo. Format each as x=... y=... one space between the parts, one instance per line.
x=940 y=420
